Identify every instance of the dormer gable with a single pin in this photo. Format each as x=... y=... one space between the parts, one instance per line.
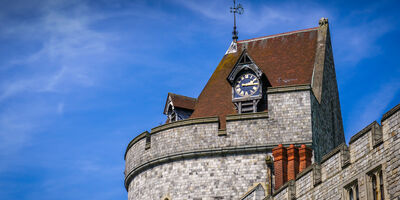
x=178 y=107
x=245 y=62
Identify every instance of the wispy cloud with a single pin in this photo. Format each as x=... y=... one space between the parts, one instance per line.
x=355 y=38
x=69 y=56
x=19 y=123
x=65 y=56
x=358 y=41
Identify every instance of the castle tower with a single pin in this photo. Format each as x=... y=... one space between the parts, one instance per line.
x=278 y=89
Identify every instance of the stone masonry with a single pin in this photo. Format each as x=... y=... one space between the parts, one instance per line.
x=196 y=159
x=173 y=149
x=197 y=142
x=353 y=164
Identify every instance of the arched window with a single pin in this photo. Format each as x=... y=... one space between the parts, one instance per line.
x=352 y=191
x=374 y=188
x=376 y=184
x=381 y=185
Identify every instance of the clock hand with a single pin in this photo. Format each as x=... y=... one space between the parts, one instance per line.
x=249 y=84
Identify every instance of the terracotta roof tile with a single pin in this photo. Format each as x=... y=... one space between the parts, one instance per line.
x=285 y=59
x=181 y=101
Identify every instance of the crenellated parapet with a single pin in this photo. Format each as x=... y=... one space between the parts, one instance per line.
x=287 y=121
x=372 y=149
x=200 y=137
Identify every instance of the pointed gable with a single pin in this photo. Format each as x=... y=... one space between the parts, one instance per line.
x=285 y=59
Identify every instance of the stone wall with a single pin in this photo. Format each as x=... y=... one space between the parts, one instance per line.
x=288 y=121
x=203 y=178
x=290 y=113
x=345 y=165
x=327 y=125
x=391 y=137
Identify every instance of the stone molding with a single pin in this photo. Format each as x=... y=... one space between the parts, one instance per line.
x=390 y=112
x=283 y=187
x=134 y=141
x=199 y=153
x=370 y=127
x=304 y=172
x=185 y=122
x=343 y=149
x=288 y=88
x=167 y=126
x=244 y=116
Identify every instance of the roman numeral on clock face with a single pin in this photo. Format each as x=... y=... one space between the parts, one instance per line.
x=246 y=85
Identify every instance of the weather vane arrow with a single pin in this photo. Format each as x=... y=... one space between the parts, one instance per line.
x=239 y=10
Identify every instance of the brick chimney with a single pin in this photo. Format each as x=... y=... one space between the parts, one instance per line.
x=280 y=165
x=305 y=157
x=293 y=162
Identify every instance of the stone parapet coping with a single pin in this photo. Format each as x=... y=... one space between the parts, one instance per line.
x=283 y=187
x=288 y=88
x=298 y=176
x=200 y=153
x=134 y=141
x=390 y=112
x=170 y=125
x=236 y=117
x=362 y=132
x=304 y=172
x=333 y=152
x=193 y=121
x=185 y=122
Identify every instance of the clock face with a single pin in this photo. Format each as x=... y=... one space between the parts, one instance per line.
x=246 y=85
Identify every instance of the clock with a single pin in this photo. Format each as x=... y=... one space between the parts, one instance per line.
x=246 y=85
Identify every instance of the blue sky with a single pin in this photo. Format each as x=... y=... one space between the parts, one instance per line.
x=79 y=79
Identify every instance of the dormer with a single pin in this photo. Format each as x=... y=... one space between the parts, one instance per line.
x=178 y=107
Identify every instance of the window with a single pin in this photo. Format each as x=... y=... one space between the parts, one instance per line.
x=376 y=184
x=352 y=191
x=381 y=185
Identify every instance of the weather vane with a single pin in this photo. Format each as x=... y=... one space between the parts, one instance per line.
x=239 y=10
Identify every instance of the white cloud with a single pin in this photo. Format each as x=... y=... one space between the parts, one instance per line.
x=359 y=40
x=70 y=54
x=19 y=122
x=209 y=9
x=354 y=37
x=69 y=58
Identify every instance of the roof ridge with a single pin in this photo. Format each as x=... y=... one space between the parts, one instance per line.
x=170 y=93
x=276 y=35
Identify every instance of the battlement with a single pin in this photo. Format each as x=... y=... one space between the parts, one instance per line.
x=289 y=120
x=371 y=148
x=253 y=132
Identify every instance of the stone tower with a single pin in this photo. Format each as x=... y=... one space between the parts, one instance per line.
x=278 y=89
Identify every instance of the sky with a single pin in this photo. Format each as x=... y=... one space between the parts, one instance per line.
x=80 y=79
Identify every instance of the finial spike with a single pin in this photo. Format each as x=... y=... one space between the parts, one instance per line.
x=239 y=10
